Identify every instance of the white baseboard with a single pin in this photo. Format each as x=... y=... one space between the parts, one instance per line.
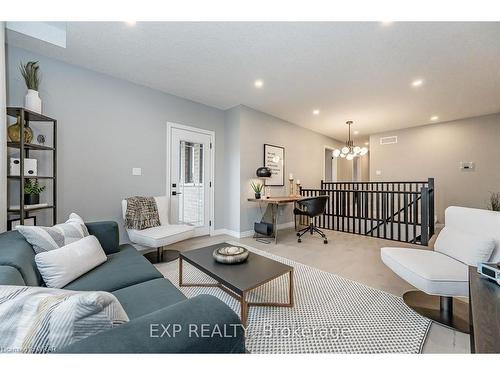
x=218 y=232
x=247 y=233
x=232 y=233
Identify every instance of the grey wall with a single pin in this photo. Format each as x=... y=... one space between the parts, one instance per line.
x=344 y=169
x=304 y=157
x=106 y=127
x=3 y=134
x=232 y=156
x=365 y=167
x=436 y=151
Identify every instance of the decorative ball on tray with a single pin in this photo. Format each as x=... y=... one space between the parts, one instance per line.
x=230 y=254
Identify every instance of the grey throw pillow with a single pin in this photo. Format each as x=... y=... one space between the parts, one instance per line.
x=50 y=238
x=43 y=320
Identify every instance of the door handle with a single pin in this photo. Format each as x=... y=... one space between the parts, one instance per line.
x=176 y=193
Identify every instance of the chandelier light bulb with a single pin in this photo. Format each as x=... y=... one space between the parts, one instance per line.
x=357 y=150
x=345 y=150
x=336 y=153
x=363 y=151
x=349 y=156
x=342 y=155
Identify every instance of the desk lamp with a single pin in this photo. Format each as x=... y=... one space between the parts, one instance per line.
x=264 y=173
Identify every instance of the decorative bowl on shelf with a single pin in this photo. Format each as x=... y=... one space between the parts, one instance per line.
x=230 y=254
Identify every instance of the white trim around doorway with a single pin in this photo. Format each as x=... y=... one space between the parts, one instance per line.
x=210 y=133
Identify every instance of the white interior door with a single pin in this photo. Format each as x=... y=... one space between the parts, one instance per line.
x=190 y=178
x=334 y=169
x=330 y=166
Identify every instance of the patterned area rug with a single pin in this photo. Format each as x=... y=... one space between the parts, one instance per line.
x=331 y=314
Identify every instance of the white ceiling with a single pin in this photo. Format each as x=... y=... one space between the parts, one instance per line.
x=358 y=71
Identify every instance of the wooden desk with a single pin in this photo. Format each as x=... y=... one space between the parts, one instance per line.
x=484 y=314
x=273 y=203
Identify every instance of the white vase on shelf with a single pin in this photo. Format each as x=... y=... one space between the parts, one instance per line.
x=32 y=101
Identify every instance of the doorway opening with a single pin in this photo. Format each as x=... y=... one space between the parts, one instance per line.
x=329 y=165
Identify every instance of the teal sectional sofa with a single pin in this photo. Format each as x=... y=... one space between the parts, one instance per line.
x=153 y=304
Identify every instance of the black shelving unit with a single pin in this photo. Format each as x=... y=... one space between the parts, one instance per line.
x=26 y=116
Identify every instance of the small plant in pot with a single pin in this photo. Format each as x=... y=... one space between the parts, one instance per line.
x=257 y=189
x=30 y=73
x=32 y=192
x=494 y=202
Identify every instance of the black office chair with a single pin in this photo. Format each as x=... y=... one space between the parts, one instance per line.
x=311 y=207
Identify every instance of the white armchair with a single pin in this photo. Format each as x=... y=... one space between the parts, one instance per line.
x=470 y=236
x=157 y=237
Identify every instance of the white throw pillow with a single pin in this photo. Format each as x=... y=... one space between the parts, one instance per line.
x=468 y=248
x=42 y=320
x=61 y=266
x=50 y=238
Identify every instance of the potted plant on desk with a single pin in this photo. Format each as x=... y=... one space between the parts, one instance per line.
x=257 y=189
x=32 y=192
x=494 y=202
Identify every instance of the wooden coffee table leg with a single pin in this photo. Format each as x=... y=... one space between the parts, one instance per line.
x=244 y=309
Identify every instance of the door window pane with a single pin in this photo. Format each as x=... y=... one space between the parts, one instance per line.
x=191 y=188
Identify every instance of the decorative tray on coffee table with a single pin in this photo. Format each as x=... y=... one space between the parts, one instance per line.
x=230 y=254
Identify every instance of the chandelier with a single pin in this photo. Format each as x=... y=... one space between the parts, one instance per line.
x=349 y=151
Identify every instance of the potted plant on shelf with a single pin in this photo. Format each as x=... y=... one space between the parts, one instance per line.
x=257 y=189
x=32 y=100
x=32 y=191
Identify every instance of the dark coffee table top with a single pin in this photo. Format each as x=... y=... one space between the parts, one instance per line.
x=255 y=271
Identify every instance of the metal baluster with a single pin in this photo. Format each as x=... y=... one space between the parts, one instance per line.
x=424 y=227
x=399 y=212
x=405 y=201
x=415 y=217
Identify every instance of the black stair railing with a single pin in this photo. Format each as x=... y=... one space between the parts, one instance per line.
x=400 y=211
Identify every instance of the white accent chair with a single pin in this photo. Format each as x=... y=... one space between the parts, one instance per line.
x=158 y=237
x=470 y=236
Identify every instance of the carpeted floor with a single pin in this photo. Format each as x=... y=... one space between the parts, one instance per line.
x=349 y=256
x=331 y=314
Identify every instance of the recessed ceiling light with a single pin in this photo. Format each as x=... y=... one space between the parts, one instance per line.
x=434 y=118
x=417 y=83
x=316 y=112
x=367 y=143
x=259 y=83
x=130 y=23
x=355 y=132
x=386 y=23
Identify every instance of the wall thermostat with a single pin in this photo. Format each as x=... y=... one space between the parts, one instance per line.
x=467 y=165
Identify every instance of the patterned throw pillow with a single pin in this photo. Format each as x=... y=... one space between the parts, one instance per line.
x=43 y=320
x=50 y=238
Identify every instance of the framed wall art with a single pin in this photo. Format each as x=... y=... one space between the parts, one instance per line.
x=274 y=158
